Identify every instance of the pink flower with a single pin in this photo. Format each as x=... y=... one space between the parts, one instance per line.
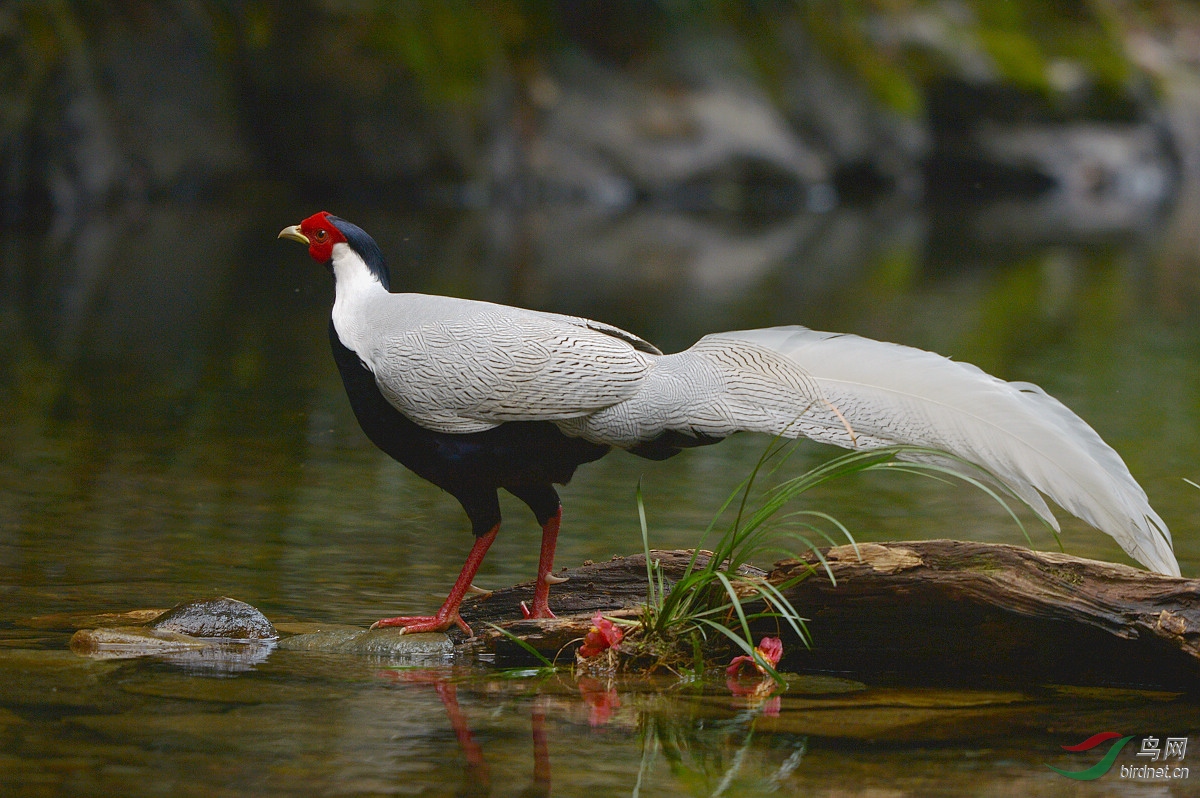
x=770 y=649
x=604 y=634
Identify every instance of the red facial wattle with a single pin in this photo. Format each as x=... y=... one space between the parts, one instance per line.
x=319 y=233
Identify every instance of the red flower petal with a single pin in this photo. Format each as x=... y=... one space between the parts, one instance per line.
x=604 y=634
x=771 y=649
x=735 y=665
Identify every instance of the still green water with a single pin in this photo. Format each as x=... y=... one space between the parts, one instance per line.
x=173 y=428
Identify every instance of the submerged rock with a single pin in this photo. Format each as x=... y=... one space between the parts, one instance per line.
x=130 y=641
x=225 y=634
x=372 y=642
x=209 y=654
x=220 y=634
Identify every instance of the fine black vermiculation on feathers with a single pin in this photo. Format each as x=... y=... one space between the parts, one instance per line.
x=475 y=397
x=526 y=458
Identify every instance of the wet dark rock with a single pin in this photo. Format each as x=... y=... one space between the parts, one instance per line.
x=227 y=635
x=185 y=651
x=215 y=635
x=222 y=617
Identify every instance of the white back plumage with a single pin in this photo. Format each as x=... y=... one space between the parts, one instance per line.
x=455 y=365
x=858 y=393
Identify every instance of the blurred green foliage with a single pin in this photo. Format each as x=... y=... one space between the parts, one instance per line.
x=895 y=47
x=286 y=69
x=450 y=48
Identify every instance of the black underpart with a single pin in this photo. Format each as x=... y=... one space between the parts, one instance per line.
x=670 y=443
x=526 y=458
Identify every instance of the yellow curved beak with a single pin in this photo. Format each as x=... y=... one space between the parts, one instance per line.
x=293 y=234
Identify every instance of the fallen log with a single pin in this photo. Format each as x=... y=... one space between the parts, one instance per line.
x=616 y=588
x=923 y=612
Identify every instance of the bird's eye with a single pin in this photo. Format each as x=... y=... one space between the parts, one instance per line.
x=321 y=235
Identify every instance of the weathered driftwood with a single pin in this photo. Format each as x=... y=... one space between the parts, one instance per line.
x=928 y=612
x=616 y=587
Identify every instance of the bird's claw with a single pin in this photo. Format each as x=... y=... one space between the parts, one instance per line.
x=415 y=624
x=529 y=614
x=551 y=579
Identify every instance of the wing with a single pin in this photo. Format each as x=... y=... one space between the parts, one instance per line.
x=637 y=342
x=482 y=365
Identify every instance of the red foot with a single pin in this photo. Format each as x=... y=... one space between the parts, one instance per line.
x=414 y=624
x=447 y=616
x=545 y=575
x=536 y=612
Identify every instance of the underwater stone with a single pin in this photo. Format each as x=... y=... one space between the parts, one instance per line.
x=375 y=642
x=131 y=641
x=192 y=653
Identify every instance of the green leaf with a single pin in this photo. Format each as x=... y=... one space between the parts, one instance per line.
x=525 y=645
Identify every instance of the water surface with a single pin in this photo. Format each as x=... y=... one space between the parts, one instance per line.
x=173 y=428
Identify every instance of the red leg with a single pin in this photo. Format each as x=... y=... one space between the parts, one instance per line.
x=448 y=614
x=541 y=589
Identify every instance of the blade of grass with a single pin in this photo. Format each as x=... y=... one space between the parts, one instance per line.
x=652 y=599
x=525 y=645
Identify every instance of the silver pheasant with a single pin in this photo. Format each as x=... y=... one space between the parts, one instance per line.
x=458 y=368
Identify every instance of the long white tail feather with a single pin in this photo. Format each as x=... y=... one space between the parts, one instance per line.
x=861 y=394
x=459 y=366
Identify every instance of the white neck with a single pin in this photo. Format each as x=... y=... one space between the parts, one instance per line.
x=354 y=285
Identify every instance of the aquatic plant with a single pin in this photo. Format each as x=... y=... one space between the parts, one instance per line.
x=687 y=624
x=718 y=596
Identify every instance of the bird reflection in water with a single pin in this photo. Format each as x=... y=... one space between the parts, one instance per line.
x=716 y=752
x=478 y=777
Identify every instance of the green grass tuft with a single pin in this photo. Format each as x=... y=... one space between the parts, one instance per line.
x=718 y=600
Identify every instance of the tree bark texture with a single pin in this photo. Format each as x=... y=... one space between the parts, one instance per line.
x=922 y=612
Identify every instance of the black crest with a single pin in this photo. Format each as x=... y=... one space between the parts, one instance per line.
x=366 y=247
